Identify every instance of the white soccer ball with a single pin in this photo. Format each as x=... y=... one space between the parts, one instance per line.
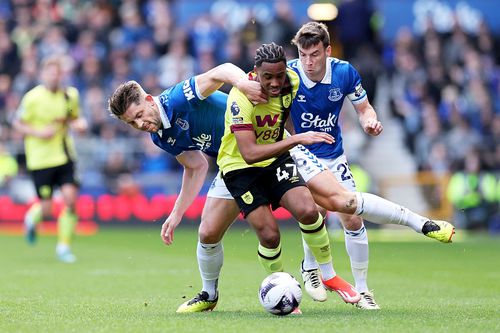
x=280 y=293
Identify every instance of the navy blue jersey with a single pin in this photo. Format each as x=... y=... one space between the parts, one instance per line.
x=317 y=105
x=196 y=123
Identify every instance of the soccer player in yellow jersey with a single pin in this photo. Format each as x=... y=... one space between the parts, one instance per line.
x=45 y=116
x=259 y=171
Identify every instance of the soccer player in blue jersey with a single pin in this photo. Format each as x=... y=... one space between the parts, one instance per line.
x=325 y=83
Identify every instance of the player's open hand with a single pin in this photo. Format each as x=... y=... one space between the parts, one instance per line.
x=311 y=137
x=253 y=91
x=167 y=229
x=373 y=127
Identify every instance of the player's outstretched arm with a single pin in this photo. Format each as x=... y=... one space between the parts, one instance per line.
x=253 y=152
x=368 y=118
x=195 y=170
x=212 y=80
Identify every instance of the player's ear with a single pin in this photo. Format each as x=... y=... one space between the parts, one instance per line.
x=149 y=98
x=328 y=51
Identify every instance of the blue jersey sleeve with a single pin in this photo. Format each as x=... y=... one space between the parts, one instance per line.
x=185 y=94
x=355 y=91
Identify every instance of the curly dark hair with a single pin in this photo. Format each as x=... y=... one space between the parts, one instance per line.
x=269 y=53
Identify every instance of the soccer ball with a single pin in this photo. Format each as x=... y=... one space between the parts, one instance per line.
x=280 y=293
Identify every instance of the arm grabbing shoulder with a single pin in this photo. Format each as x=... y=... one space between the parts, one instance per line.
x=212 y=80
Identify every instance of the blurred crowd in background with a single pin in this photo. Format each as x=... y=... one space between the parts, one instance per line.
x=444 y=87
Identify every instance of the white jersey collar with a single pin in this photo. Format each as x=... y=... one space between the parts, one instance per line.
x=327 y=79
x=163 y=113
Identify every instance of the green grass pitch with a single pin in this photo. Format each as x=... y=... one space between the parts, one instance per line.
x=126 y=280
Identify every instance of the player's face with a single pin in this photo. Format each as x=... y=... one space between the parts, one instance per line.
x=144 y=116
x=51 y=76
x=313 y=61
x=271 y=77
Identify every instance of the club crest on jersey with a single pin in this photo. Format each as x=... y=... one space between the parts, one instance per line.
x=247 y=198
x=235 y=109
x=335 y=94
x=286 y=100
x=183 y=124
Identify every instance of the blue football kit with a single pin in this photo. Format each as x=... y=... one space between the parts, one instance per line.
x=190 y=121
x=311 y=111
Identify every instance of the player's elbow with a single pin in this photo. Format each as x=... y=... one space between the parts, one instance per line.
x=250 y=157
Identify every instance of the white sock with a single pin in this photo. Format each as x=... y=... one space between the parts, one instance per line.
x=327 y=271
x=378 y=210
x=61 y=248
x=356 y=244
x=210 y=259
x=309 y=260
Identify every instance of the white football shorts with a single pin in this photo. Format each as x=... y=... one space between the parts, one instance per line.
x=309 y=166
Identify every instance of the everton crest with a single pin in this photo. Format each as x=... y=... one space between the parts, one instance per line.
x=335 y=94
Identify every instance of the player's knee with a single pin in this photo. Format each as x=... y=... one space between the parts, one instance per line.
x=342 y=202
x=307 y=214
x=352 y=222
x=209 y=233
x=268 y=237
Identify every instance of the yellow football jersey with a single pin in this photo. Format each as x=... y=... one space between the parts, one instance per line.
x=267 y=120
x=39 y=108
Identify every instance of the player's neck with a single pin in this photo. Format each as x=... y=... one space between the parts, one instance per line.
x=53 y=89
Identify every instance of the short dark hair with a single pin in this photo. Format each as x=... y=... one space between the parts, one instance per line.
x=125 y=95
x=269 y=53
x=311 y=34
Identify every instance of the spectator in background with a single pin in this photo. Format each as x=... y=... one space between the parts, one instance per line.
x=144 y=59
x=45 y=116
x=176 y=64
x=473 y=193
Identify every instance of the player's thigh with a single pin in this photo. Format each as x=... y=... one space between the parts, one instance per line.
x=299 y=202
x=265 y=225
x=218 y=214
x=329 y=194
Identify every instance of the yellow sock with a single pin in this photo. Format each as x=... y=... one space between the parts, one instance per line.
x=65 y=226
x=270 y=259
x=316 y=237
x=34 y=214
